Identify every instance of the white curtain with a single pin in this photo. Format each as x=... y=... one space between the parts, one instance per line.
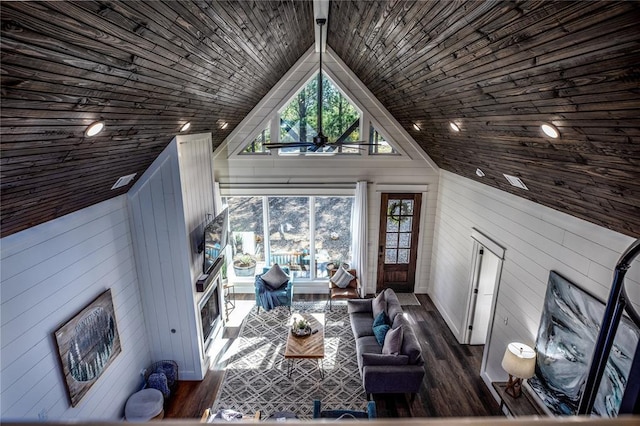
x=359 y=246
x=217 y=198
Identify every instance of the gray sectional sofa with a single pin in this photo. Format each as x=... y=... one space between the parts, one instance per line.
x=401 y=373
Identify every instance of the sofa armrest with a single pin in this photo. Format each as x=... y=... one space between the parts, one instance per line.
x=392 y=378
x=359 y=305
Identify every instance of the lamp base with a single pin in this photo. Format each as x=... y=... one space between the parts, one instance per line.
x=514 y=387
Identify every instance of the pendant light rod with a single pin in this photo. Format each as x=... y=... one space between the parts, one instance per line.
x=321 y=22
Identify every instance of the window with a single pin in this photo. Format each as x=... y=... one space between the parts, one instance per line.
x=382 y=147
x=257 y=145
x=292 y=224
x=340 y=119
x=289 y=233
x=333 y=232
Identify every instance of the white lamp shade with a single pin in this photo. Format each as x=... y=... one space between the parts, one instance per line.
x=519 y=360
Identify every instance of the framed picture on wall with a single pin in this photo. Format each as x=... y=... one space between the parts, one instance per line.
x=87 y=344
x=568 y=330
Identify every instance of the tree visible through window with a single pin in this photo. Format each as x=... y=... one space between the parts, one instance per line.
x=340 y=119
x=288 y=238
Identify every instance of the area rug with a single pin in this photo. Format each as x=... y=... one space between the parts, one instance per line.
x=256 y=370
x=407 y=299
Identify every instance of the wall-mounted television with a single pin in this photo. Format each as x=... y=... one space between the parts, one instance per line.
x=215 y=240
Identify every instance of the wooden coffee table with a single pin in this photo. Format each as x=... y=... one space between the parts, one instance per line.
x=310 y=347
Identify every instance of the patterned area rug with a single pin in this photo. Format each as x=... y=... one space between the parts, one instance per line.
x=256 y=370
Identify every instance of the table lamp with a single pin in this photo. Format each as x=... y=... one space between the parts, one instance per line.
x=520 y=362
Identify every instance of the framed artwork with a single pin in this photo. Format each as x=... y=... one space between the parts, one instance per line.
x=568 y=330
x=87 y=344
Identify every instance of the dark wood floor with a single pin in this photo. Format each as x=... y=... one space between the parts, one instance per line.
x=452 y=386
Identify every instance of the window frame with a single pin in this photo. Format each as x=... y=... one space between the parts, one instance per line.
x=347 y=190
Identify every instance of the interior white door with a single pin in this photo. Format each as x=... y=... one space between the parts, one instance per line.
x=486 y=284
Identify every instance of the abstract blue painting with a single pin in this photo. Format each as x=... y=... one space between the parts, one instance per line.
x=567 y=334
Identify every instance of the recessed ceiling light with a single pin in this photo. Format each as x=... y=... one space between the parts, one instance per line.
x=415 y=126
x=550 y=130
x=479 y=172
x=94 y=128
x=224 y=125
x=454 y=126
x=185 y=127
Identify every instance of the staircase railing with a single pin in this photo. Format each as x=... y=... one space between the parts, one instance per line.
x=618 y=302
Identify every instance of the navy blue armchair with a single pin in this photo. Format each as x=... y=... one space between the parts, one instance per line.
x=370 y=413
x=284 y=294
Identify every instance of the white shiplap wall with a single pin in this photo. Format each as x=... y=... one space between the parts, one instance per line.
x=413 y=169
x=537 y=239
x=49 y=273
x=169 y=205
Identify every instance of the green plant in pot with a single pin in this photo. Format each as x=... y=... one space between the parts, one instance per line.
x=244 y=265
x=301 y=327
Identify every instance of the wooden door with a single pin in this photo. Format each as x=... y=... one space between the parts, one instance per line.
x=398 y=241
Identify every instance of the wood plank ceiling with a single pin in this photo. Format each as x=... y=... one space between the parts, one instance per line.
x=497 y=69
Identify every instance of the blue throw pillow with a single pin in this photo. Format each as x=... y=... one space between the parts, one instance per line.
x=382 y=318
x=380 y=332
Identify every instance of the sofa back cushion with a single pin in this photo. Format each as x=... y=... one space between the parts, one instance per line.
x=379 y=304
x=393 y=304
x=410 y=343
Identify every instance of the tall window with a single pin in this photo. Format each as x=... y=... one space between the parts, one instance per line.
x=289 y=238
x=333 y=232
x=289 y=233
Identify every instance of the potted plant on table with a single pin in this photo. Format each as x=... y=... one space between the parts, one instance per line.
x=244 y=265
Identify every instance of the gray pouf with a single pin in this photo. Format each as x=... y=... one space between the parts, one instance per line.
x=144 y=405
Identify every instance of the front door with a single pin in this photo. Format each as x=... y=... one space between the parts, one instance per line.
x=398 y=247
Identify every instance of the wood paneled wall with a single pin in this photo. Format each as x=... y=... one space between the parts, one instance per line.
x=498 y=69
x=50 y=273
x=501 y=69
x=145 y=68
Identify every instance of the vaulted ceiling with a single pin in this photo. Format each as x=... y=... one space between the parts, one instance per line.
x=497 y=69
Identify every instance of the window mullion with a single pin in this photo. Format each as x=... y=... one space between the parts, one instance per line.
x=265 y=231
x=312 y=237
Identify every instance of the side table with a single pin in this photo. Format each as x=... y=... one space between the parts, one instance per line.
x=525 y=405
x=229 y=292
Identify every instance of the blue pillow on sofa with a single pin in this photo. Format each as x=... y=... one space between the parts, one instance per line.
x=382 y=318
x=380 y=332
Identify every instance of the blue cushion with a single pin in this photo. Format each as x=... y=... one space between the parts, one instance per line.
x=382 y=318
x=159 y=381
x=380 y=332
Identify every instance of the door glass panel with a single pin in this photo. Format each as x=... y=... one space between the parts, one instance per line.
x=405 y=225
x=392 y=240
x=407 y=207
x=403 y=256
x=405 y=240
x=392 y=225
x=390 y=256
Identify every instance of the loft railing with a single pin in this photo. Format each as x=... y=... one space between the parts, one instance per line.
x=618 y=302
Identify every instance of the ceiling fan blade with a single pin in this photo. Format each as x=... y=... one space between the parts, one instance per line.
x=357 y=143
x=288 y=145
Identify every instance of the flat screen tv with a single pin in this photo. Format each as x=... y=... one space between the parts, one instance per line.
x=215 y=240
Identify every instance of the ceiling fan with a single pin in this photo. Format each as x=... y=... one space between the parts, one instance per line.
x=320 y=141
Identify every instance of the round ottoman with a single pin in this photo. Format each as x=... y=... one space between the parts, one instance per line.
x=144 y=405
